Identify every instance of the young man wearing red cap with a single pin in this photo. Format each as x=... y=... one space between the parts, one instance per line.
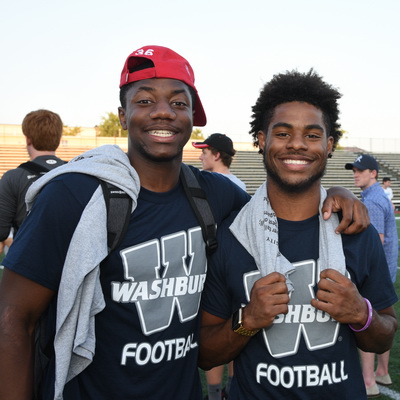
x=124 y=324
x=146 y=311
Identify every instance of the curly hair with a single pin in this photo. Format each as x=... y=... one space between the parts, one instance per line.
x=296 y=86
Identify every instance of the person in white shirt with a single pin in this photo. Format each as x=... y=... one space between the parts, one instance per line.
x=386 y=183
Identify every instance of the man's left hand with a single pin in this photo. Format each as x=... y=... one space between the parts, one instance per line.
x=339 y=297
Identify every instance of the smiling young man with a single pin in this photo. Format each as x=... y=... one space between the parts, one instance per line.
x=125 y=324
x=286 y=297
x=136 y=337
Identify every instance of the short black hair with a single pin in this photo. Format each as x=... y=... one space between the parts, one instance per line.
x=124 y=90
x=296 y=86
x=225 y=157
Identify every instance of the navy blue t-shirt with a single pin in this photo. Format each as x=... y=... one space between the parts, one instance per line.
x=147 y=335
x=305 y=354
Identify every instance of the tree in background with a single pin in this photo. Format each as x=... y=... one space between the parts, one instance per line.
x=71 y=131
x=111 y=127
x=345 y=135
x=197 y=134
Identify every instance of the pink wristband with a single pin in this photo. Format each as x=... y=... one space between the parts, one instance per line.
x=369 y=320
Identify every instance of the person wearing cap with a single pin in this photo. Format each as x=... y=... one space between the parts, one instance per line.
x=366 y=169
x=286 y=297
x=217 y=155
x=146 y=320
x=124 y=324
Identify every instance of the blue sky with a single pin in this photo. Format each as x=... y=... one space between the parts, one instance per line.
x=67 y=56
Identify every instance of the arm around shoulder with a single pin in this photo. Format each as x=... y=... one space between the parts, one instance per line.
x=355 y=216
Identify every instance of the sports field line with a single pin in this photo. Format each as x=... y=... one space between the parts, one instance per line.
x=389 y=392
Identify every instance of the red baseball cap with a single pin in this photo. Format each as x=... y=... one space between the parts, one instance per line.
x=160 y=62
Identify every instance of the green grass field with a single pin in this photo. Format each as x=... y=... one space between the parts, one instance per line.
x=395 y=352
x=394 y=363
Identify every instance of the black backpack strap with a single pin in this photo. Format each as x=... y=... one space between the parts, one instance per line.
x=119 y=207
x=198 y=200
x=34 y=168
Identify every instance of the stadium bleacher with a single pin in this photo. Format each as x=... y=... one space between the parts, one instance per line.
x=247 y=165
x=12 y=155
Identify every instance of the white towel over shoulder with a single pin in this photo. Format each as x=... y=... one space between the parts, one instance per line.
x=256 y=228
x=80 y=297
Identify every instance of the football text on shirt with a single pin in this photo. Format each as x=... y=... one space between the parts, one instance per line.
x=166 y=275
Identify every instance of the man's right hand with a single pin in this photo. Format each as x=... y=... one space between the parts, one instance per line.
x=269 y=297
